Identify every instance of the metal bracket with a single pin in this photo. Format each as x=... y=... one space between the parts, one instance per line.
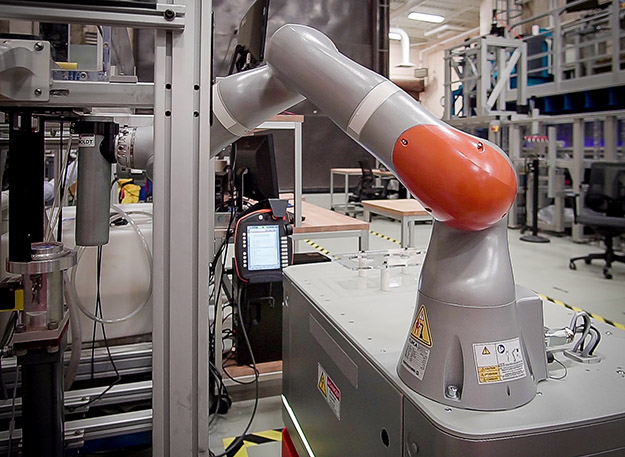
x=160 y=16
x=24 y=70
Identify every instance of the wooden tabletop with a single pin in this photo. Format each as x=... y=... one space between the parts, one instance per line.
x=237 y=371
x=357 y=171
x=320 y=219
x=399 y=207
x=287 y=118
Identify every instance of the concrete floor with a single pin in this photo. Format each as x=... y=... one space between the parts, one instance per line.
x=543 y=268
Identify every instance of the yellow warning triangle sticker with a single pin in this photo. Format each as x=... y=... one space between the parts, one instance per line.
x=322 y=385
x=485 y=351
x=421 y=329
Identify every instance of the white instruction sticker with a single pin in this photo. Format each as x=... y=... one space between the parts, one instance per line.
x=499 y=361
x=416 y=358
x=86 y=141
x=329 y=390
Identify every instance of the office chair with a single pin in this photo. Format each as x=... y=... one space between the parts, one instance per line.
x=603 y=210
x=366 y=190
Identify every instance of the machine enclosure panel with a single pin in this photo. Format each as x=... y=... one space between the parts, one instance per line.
x=554 y=422
x=368 y=408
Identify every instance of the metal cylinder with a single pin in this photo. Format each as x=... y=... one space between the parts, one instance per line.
x=95 y=155
x=42 y=279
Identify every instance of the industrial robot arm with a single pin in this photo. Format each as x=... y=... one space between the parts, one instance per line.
x=467 y=298
x=465 y=182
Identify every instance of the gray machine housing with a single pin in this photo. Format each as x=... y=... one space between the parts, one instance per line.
x=467 y=292
x=343 y=324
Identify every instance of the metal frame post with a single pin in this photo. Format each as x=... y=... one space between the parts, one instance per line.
x=449 y=102
x=577 y=171
x=182 y=239
x=610 y=137
x=484 y=75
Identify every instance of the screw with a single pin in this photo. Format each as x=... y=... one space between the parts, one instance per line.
x=53 y=325
x=38 y=92
x=169 y=15
x=404 y=141
x=608 y=333
x=39 y=46
x=83 y=75
x=480 y=146
x=620 y=372
x=106 y=45
x=452 y=392
x=448 y=410
x=20 y=328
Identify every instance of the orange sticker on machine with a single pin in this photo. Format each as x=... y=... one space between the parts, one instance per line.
x=421 y=328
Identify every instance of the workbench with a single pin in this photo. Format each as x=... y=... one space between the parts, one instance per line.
x=406 y=210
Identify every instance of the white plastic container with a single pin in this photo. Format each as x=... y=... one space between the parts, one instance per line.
x=125 y=275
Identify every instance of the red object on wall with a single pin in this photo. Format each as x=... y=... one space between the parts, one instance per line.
x=288 y=449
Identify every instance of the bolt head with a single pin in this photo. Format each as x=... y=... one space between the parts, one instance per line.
x=169 y=14
x=452 y=392
x=38 y=92
x=53 y=325
x=39 y=46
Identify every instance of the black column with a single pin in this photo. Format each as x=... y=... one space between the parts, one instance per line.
x=42 y=403
x=26 y=173
x=535 y=237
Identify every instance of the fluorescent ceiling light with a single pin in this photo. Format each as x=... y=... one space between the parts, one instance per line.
x=394 y=36
x=435 y=18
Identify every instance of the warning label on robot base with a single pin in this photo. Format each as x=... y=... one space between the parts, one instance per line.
x=499 y=361
x=421 y=328
x=416 y=358
x=329 y=390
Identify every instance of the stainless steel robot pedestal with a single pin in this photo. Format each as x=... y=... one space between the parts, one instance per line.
x=343 y=337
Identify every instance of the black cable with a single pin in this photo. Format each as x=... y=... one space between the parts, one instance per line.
x=9 y=330
x=59 y=234
x=5 y=394
x=244 y=383
x=223 y=62
x=98 y=313
x=240 y=439
x=12 y=423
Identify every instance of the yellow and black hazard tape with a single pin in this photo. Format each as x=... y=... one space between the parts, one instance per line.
x=318 y=248
x=252 y=439
x=384 y=237
x=580 y=310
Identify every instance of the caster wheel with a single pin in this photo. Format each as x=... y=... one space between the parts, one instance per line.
x=572 y=266
x=587 y=261
x=607 y=274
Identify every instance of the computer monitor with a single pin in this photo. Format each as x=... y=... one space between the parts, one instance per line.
x=254 y=164
x=250 y=50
